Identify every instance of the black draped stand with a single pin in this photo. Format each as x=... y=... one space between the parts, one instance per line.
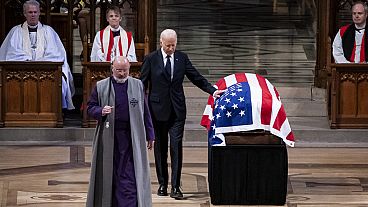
x=248 y=174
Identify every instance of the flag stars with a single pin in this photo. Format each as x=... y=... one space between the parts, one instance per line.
x=213 y=127
x=218 y=115
x=242 y=113
x=235 y=106
x=233 y=94
x=227 y=100
x=228 y=114
x=222 y=107
x=240 y=90
x=216 y=106
x=241 y=99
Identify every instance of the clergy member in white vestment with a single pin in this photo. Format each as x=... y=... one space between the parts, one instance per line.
x=113 y=40
x=33 y=41
x=350 y=44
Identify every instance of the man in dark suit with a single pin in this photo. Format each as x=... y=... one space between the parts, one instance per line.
x=162 y=74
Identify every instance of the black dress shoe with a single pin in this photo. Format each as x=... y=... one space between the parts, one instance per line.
x=162 y=190
x=176 y=193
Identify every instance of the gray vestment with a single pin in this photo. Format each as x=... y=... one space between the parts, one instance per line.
x=100 y=186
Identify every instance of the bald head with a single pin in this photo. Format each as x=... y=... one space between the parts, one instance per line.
x=168 y=40
x=120 y=67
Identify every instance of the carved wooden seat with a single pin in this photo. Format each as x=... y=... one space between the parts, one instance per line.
x=30 y=94
x=347 y=94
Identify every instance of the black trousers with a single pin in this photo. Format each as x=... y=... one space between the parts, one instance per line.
x=174 y=128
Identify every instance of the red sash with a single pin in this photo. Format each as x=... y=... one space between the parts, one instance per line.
x=111 y=44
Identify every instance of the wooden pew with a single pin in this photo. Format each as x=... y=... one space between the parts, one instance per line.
x=95 y=71
x=348 y=96
x=30 y=94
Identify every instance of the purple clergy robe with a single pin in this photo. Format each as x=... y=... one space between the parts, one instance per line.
x=124 y=184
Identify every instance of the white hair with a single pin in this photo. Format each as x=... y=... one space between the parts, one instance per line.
x=168 y=33
x=30 y=2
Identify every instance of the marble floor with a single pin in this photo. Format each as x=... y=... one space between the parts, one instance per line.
x=57 y=176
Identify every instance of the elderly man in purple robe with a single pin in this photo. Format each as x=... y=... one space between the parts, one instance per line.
x=120 y=174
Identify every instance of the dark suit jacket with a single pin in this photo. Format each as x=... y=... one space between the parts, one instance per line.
x=164 y=94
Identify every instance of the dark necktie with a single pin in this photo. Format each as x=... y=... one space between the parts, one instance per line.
x=168 y=65
x=116 y=33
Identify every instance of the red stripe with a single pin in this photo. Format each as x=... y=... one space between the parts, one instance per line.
x=362 y=50
x=129 y=35
x=101 y=39
x=277 y=93
x=221 y=84
x=111 y=44
x=343 y=30
x=352 y=57
x=266 y=108
x=205 y=121
x=240 y=78
x=290 y=137
x=280 y=119
x=121 y=48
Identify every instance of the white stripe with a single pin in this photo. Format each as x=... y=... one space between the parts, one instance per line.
x=256 y=99
x=124 y=42
x=222 y=130
x=285 y=129
x=106 y=40
x=207 y=110
x=230 y=80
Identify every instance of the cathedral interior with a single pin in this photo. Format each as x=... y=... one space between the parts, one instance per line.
x=47 y=163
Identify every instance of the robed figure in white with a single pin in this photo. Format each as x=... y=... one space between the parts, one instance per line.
x=113 y=40
x=33 y=41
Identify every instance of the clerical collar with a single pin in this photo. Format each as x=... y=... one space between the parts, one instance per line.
x=359 y=28
x=32 y=28
x=120 y=80
x=116 y=33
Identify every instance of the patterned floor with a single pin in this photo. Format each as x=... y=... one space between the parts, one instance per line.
x=46 y=176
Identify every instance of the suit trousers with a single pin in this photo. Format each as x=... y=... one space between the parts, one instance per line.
x=174 y=128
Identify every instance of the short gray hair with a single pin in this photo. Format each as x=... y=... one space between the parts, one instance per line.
x=362 y=3
x=30 y=2
x=168 y=33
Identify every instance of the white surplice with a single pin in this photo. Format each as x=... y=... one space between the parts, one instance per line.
x=98 y=56
x=43 y=45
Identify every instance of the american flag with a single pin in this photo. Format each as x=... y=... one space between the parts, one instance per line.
x=250 y=102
